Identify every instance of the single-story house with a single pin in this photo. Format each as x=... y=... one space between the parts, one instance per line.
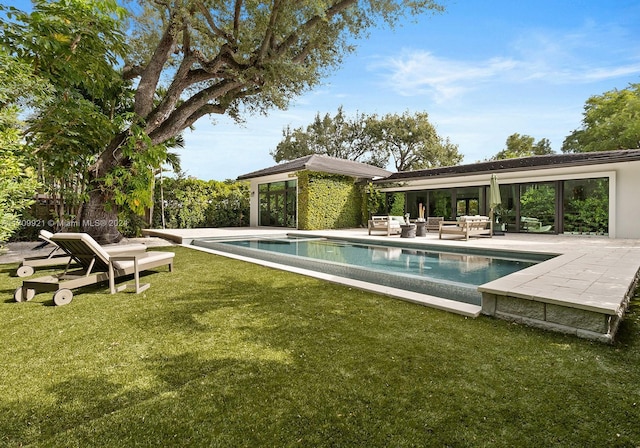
x=311 y=193
x=583 y=193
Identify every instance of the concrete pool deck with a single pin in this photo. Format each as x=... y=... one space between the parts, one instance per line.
x=584 y=290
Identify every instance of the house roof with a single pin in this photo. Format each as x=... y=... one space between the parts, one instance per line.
x=325 y=164
x=523 y=163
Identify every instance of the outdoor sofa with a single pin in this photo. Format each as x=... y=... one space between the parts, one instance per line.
x=466 y=227
x=96 y=266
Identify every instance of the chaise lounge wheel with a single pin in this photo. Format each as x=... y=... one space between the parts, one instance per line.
x=19 y=297
x=25 y=271
x=63 y=297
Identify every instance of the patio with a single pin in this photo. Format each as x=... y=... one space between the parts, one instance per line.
x=583 y=291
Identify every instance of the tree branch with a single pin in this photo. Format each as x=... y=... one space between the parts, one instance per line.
x=130 y=72
x=209 y=19
x=150 y=76
x=236 y=19
x=312 y=22
x=267 y=41
x=179 y=118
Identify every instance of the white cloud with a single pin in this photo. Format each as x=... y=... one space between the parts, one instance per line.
x=583 y=56
x=419 y=71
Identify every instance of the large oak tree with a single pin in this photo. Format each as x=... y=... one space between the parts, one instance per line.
x=191 y=58
x=231 y=57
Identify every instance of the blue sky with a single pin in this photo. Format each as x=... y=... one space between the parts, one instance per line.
x=483 y=70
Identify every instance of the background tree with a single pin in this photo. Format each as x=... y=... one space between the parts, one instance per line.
x=18 y=183
x=228 y=58
x=72 y=46
x=523 y=146
x=413 y=142
x=610 y=121
x=410 y=139
x=337 y=136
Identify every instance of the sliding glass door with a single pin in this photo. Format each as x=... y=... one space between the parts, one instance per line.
x=278 y=207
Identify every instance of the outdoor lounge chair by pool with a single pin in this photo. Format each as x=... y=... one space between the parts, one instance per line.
x=57 y=257
x=96 y=266
x=466 y=227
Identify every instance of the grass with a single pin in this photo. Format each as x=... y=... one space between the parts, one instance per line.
x=224 y=353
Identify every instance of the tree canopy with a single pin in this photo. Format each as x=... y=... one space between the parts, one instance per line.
x=409 y=139
x=186 y=60
x=610 y=121
x=72 y=48
x=338 y=136
x=413 y=142
x=523 y=146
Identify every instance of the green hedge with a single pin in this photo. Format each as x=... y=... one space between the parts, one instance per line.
x=328 y=201
x=192 y=203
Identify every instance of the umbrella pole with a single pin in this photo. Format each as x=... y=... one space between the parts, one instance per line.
x=491 y=219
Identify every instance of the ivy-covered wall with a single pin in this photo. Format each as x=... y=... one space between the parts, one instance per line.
x=328 y=201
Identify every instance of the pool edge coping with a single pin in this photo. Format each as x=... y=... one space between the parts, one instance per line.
x=461 y=308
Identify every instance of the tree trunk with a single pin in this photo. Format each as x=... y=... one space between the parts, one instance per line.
x=99 y=217
x=101 y=224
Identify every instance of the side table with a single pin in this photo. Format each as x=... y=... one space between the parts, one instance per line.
x=408 y=231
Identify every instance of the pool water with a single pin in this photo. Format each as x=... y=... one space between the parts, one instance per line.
x=447 y=274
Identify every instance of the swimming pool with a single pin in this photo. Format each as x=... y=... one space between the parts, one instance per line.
x=453 y=275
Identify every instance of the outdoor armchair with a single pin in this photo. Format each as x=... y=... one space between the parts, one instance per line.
x=388 y=224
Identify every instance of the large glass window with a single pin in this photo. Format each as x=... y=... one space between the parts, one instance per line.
x=538 y=207
x=277 y=202
x=468 y=201
x=586 y=206
x=440 y=203
x=579 y=206
x=505 y=214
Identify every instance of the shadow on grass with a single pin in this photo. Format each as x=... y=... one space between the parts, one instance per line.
x=76 y=400
x=221 y=353
x=78 y=292
x=9 y=269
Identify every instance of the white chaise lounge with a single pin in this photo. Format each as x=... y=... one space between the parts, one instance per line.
x=97 y=266
x=58 y=257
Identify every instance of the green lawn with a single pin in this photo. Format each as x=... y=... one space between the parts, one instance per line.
x=224 y=353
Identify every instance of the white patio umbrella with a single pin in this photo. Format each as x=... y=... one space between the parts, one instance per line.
x=494 y=195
